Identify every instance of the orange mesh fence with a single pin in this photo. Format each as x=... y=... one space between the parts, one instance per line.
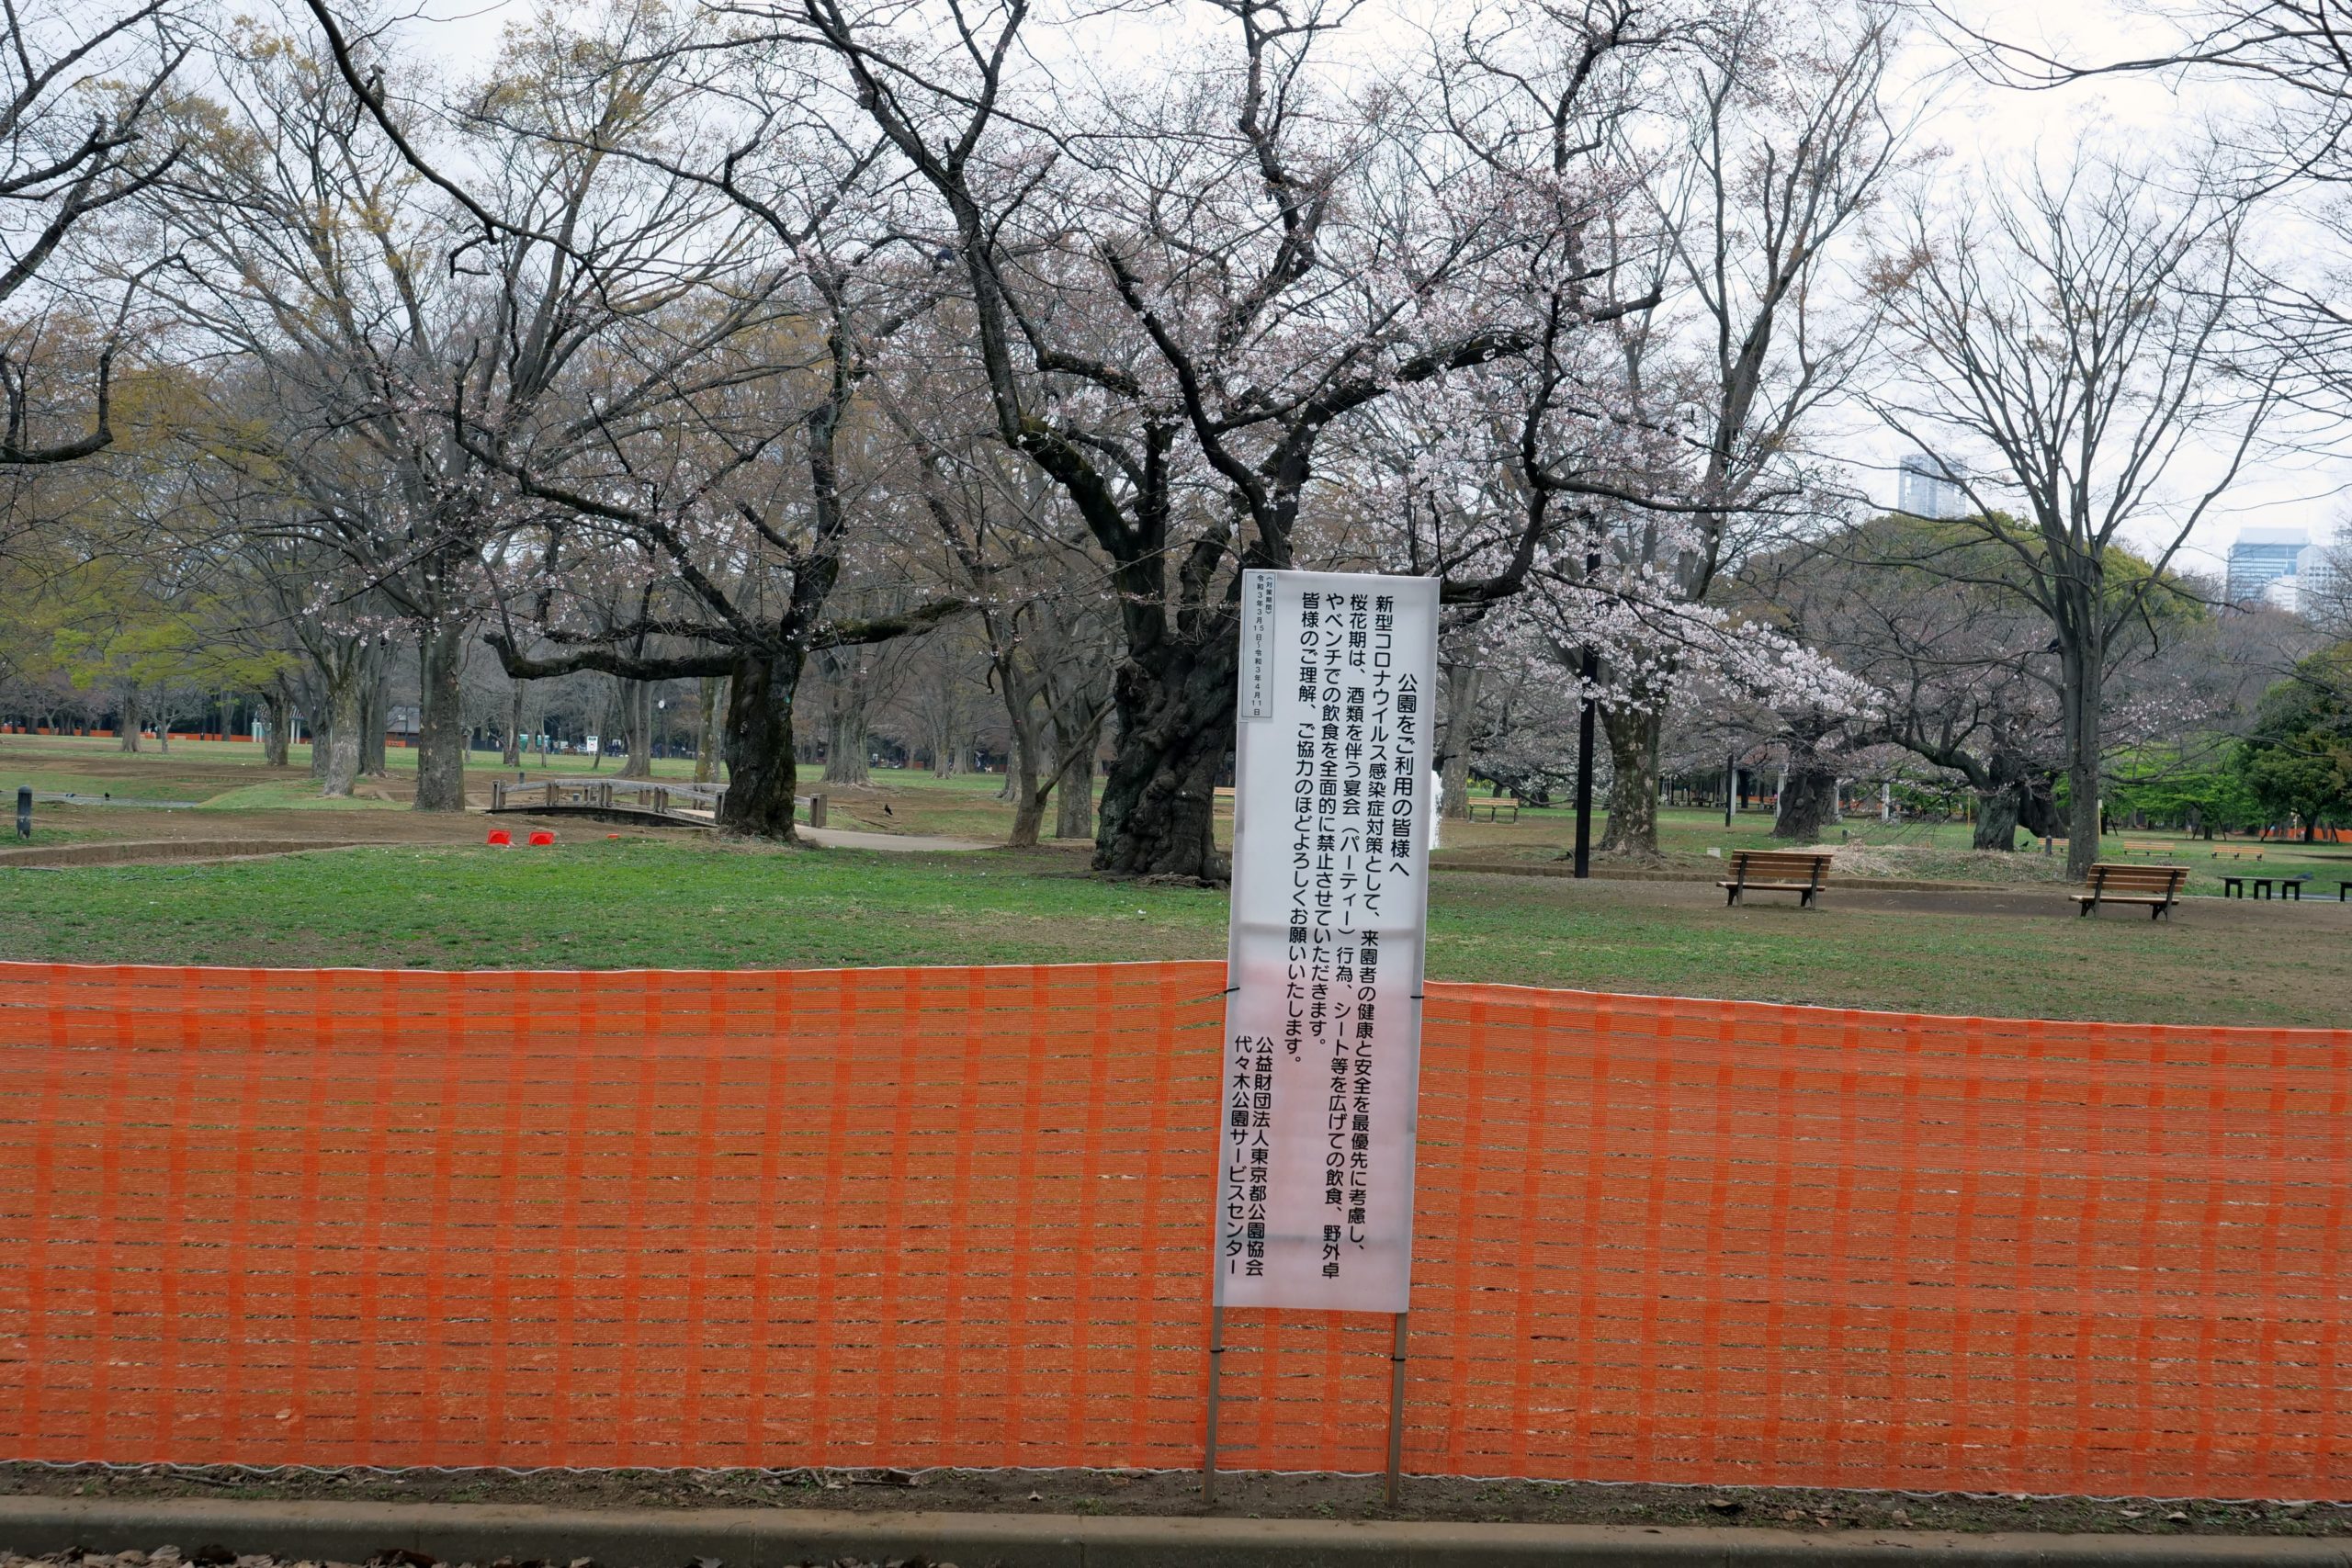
x=961 y=1217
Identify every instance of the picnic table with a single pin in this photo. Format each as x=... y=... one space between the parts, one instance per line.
x=2288 y=887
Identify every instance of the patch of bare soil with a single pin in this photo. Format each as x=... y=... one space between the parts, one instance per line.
x=1179 y=1492
x=103 y=835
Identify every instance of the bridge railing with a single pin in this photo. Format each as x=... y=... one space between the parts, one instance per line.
x=662 y=796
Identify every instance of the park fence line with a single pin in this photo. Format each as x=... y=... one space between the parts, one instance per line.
x=961 y=1217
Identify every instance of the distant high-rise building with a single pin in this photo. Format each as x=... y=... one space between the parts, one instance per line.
x=2264 y=556
x=1926 y=486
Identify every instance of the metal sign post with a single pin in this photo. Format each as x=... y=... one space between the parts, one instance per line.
x=1217 y=1368
x=1396 y=1410
x=1320 y=1084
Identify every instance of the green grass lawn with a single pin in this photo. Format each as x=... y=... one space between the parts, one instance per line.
x=598 y=903
x=230 y=775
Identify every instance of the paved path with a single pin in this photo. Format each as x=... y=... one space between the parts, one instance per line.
x=762 y=1538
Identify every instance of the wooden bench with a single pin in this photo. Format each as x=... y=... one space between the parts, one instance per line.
x=1495 y=810
x=2157 y=886
x=1801 y=871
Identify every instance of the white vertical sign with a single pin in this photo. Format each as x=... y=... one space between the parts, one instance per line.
x=1331 y=876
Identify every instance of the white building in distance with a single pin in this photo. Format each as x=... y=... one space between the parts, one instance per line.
x=2274 y=565
x=1926 y=486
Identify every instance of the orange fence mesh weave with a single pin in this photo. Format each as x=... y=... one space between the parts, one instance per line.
x=960 y=1216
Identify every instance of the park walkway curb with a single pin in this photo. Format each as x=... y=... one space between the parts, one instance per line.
x=771 y=1538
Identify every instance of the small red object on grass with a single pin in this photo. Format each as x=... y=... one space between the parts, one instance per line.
x=540 y=836
x=500 y=836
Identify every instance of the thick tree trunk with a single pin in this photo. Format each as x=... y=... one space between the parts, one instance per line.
x=1074 y=790
x=277 y=724
x=2083 y=818
x=375 y=714
x=512 y=755
x=1461 y=683
x=1996 y=819
x=1028 y=800
x=347 y=717
x=321 y=710
x=1175 y=733
x=441 y=719
x=1808 y=793
x=845 y=731
x=762 y=772
x=2083 y=676
x=1634 y=734
x=637 y=728
x=713 y=695
x=1021 y=769
x=1804 y=807
x=127 y=730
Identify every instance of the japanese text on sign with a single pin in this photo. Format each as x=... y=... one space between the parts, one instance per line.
x=1329 y=897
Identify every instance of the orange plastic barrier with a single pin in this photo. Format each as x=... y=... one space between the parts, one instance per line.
x=961 y=1217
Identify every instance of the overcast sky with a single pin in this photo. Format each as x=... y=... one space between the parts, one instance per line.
x=2308 y=485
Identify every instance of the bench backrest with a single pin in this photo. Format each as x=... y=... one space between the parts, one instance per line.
x=1810 y=865
x=2107 y=876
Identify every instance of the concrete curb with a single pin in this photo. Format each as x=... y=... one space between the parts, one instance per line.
x=771 y=1538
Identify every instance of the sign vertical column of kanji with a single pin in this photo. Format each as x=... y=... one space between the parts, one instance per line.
x=1323 y=1015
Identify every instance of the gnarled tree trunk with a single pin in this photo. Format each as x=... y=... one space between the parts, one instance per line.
x=1074 y=786
x=347 y=717
x=1808 y=792
x=1996 y=820
x=440 y=718
x=1633 y=735
x=1157 y=815
x=762 y=772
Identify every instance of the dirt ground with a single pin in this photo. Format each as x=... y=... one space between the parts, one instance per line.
x=136 y=828
x=1179 y=1492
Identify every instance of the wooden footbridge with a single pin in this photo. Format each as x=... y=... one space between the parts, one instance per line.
x=620 y=800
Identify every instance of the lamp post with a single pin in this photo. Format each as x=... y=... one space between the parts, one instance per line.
x=1589 y=671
